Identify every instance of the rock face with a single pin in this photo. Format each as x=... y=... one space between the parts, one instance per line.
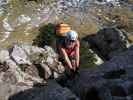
x=108 y=42
x=112 y=80
x=52 y=91
x=24 y=65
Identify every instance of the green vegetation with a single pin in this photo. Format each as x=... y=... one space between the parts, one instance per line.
x=46 y=36
x=87 y=59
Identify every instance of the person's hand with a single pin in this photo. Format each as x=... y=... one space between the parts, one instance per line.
x=77 y=68
x=74 y=68
x=73 y=65
x=71 y=68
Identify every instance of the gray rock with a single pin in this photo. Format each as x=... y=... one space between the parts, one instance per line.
x=108 y=42
x=4 y=55
x=119 y=98
x=15 y=75
x=20 y=71
x=29 y=49
x=6 y=90
x=47 y=70
x=19 y=56
x=50 y=60
x=46 y=57
x=110 y=81
x=50 y=51
x=52 y=91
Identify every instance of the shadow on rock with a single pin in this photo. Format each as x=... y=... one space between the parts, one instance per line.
x=112 y=80
x=108 y=42
x=46 y=36
x=52 y=91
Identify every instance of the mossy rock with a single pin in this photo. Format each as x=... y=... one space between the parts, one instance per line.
x=87 y=58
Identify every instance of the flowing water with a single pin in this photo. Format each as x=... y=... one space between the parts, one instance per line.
x=21 y=19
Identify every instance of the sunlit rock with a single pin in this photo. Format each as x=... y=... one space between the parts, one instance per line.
x=5 y=36
x=23 y=19
x=20 y=56
x=4 y=55
x=7 y=25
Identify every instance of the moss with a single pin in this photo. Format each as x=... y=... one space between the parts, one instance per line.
x=37 y=58
x=87 y=59
x=46 y=36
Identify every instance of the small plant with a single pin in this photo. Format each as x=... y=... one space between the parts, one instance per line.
x=46 y=36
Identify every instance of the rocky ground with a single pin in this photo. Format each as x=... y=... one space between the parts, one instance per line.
x=23 y=66
x=36 y=74
x=111 y=80
x=105 y=30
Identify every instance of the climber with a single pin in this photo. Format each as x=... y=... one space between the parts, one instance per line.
x=68 y=48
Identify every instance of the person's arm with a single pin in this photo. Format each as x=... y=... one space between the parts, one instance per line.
x=63 y=52
x=77 y=54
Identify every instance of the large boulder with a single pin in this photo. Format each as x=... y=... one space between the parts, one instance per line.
x=24 y=65
x=52 y=91
x=27 y=56
x=19 y=56
x=113 y=80
x=108 y=42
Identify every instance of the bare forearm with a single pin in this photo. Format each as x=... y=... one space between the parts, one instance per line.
x=77 y=57
x=68 y=62
x=77 y=62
